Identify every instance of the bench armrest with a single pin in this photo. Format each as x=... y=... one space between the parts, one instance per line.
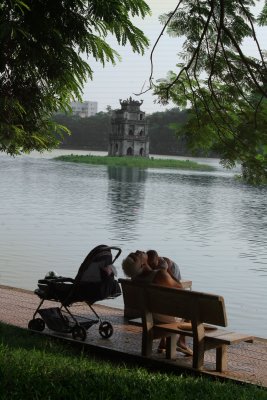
x=186 y=284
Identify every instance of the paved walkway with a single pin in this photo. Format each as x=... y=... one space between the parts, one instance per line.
x=246 y=362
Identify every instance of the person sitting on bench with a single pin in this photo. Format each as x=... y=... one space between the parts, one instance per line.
x=136 y=267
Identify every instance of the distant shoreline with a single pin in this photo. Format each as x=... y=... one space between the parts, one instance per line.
x=138 y=162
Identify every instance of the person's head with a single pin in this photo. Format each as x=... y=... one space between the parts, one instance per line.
x=134 y=264
x=162 y=264
x=152 y=258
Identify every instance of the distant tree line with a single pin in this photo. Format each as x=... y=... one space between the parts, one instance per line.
x=92 y=133
x=86 y=133
x=162 y=134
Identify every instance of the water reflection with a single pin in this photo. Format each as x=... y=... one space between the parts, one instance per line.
x=215 y=212
x=126 y=196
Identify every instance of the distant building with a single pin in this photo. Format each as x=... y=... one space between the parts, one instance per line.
x=85 y=109
x=129 y=130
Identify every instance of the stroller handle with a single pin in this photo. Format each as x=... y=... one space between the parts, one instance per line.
x=104 y=247
x=118 y=252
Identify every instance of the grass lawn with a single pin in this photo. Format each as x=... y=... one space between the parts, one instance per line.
x=33 y=366
x=139 y=162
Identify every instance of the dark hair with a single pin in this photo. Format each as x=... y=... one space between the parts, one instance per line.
x=152 y=253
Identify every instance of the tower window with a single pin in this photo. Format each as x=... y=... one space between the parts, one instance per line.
x=131 y=130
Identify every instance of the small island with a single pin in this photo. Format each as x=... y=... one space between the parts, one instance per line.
x=138 y=162
x=129 y=143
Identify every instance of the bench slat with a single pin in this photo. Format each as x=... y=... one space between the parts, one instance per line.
x=208 y=308
x=229 y=338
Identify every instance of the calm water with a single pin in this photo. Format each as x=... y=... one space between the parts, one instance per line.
x=53 y=213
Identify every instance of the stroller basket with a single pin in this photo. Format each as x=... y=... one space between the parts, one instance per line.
x=59 y=321
x=95 y=281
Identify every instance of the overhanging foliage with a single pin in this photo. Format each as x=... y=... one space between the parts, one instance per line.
x=41 y=68
x=225 y=88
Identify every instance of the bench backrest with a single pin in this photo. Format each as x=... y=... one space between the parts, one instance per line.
x=192 y=305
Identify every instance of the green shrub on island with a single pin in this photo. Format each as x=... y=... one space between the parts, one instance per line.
x=138 y=162
x=34 y=366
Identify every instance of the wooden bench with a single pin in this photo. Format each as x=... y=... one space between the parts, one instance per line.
x=199 y=308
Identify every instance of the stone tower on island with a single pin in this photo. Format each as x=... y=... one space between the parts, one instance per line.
x=129 y=130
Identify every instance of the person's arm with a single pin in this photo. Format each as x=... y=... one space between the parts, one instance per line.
x=169 y=264
x=163 y=278
x=171 y=274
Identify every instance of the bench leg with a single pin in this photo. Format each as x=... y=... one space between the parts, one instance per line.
x=221 y=358
x=198 y=345
x=198 y=355
x=147 y=342
x=171 y=347
x=147 y=335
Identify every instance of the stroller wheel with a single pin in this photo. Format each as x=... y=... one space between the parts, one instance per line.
x=106 y=329
x=78 y=332
x=36 y=324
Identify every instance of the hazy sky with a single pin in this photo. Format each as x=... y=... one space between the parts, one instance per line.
x=131 y=74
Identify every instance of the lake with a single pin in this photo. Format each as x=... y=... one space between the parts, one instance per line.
x=215 y=227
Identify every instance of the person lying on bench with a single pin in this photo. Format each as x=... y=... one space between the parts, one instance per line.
x=136 y=267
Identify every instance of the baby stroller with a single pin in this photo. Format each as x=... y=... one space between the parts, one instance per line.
x=94 y=281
